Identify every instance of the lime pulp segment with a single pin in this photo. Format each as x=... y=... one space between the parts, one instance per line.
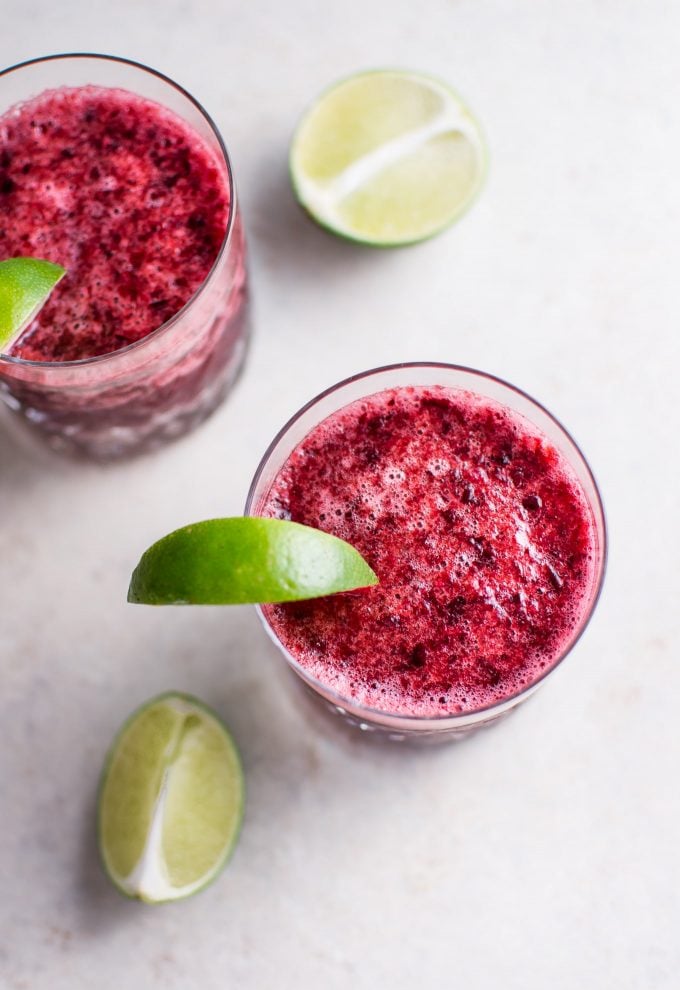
x=387 y=158
x=171 y=800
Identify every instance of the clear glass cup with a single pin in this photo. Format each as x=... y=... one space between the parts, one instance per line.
x=447 y=726
x=160 y=387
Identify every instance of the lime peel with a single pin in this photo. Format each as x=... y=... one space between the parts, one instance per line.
x=246 y=560
x=25 y=284
x=189 y=833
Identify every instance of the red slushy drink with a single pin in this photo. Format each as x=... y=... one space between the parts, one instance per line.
x=482 y=536
x=137 y=206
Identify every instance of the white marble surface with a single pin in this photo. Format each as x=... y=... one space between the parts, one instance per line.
x=542 y=853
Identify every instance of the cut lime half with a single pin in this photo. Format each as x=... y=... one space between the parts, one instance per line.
x=245 y=560
x=387 y=158
x=25 y=284
x=170 y=801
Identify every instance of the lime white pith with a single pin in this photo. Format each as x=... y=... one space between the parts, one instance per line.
x=171 y=800
x=387 y=158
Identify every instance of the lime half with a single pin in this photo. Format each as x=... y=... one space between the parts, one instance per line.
x=246 y=560
x=25 y=284
x=387 y=158
x=170 y=801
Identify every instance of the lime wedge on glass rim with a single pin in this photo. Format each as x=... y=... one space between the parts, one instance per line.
x=25 y=284
x=387 y=158
x=170 y=800
x=245 y=560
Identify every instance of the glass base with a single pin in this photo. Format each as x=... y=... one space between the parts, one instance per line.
x=351 y=726
x=130 y=421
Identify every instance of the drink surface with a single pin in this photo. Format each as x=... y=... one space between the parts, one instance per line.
x=478 y=530
x=122 y=193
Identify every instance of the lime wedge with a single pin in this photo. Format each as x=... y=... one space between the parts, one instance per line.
x=387 y=158
x=245 y=560
x=170 y=800
x=25 y=284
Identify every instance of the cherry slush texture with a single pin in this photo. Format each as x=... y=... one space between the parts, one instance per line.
x=121 y=193
x=478 y=530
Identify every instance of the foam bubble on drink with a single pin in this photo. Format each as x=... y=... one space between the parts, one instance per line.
x=478 y=530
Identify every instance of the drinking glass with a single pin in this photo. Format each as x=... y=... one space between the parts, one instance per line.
x=446 y=726
x=147 y=393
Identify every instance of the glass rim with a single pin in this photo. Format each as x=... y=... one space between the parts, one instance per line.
x=54 y=366
x=438 y=721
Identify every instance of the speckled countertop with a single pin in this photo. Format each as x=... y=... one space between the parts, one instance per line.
x=540 y=853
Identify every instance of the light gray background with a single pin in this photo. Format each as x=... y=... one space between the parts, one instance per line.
x=542 y=853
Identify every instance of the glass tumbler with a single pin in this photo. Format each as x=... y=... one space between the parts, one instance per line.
x=448 y=725
x=151 y=391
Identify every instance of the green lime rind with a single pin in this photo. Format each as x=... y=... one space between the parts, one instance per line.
x=246 y=560
x=389 y=212
x=25 y=284
x=171 y=800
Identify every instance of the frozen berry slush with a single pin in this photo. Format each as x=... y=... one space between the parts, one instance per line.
x=137 y=206
x=482 y=535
